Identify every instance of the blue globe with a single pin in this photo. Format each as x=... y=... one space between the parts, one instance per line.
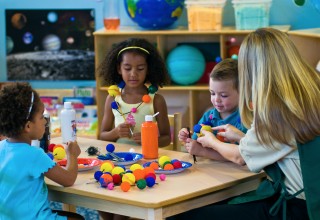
x=151 y=14
x=186 y=64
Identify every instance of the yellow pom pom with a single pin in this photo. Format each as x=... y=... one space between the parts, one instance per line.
x=117 y=170
x=106 y=167
x=113 y=90
x=129 y=177
x=135 y=166
x=164 y=159
x=59 y=153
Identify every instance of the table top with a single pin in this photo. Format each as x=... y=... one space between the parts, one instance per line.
x=206 y=176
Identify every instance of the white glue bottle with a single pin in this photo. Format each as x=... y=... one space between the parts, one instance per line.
x=68 y=123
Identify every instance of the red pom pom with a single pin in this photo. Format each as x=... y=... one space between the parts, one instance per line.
x=116 y=179
x=50 y=147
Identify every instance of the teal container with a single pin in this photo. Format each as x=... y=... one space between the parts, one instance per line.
x=251 y=14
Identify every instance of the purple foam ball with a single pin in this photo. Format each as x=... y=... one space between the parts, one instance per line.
x=110 y=148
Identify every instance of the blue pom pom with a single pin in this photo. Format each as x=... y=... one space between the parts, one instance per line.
x=207 y=123
x=114 y=105
x=218 y=59
x=150 y=181
x=97 y=175
x=128 y=157
x=102 y=182
x=50 y=155
x=110 y=148
x=152 y=89
x=122 y=84
x=197 y=128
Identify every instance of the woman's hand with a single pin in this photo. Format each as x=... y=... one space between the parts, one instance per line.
x=230 y=133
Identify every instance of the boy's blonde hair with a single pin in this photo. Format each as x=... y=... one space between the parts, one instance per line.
x=279 y=91
x=227 y=69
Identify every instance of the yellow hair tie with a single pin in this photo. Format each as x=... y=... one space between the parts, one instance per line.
x=132 y=47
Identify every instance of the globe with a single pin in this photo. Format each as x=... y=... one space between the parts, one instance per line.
x=186 y=64
x=151 y=14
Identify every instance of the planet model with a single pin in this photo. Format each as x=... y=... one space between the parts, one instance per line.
x=151 y=14
x=18 y=20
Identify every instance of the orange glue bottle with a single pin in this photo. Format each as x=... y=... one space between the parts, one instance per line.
x=149 y=138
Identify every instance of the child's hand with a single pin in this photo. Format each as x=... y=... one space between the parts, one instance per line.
x=183 y=135
x=73 y=149
x=136 y=137
x=193 y=147
x=123 y=130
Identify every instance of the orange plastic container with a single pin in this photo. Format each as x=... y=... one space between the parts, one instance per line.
x=149 y=138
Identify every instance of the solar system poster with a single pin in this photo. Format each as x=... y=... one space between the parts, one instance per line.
x=50 y=44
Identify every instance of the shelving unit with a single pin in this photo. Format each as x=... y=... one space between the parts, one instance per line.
x=191 y=100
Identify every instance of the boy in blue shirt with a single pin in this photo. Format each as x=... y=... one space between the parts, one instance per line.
x=223 y=87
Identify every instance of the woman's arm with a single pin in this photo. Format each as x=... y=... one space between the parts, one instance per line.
x=228 y=151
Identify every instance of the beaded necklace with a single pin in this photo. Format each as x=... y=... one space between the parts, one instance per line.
x=115 y=90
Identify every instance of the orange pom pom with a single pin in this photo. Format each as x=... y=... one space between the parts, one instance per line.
x=125 y=186
x=154 y=165
x=168 y=166
x=56 y=146
x=139 y=174
x=146 y=98
x=148 y=170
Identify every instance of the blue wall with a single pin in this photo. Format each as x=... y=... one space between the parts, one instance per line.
x=282 y=12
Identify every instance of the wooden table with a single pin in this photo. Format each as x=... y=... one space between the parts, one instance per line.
x=204 y=183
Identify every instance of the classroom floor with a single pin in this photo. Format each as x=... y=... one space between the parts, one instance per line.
x=88 y=214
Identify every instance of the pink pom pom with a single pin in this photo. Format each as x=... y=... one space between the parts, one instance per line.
x=110 y=186
x=134 y=110
x=162 y=177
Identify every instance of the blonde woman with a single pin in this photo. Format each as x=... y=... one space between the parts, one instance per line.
x=279 y=103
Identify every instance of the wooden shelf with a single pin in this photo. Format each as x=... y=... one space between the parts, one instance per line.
x=192 y=100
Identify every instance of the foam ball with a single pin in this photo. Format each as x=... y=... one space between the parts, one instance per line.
x=50 y=155
x=206 y=127
x=150 y=182
x=177 y=164
x=110 y=186
x=59 y=153
x=113 y=90
x=50 y=147
x=168 y=166
x=107 y=166
x=146 y=98
x=129 y=177
x=97 y=175
x=58 y=145
x=125 y=186
x=135 y=166
x=163 y=159
x=153 y=175
x=154 y=165
x=152 y=89
x=105 y=179
x=117 y=170
x=186 y=64
x=114 y=105
x=197 y=128
x=162 y=177
x=116 y=179
x=139 y=174
x=141 y=184
x=134 y=110
x=122 y=84
x=110 y=148
x=148 y=170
